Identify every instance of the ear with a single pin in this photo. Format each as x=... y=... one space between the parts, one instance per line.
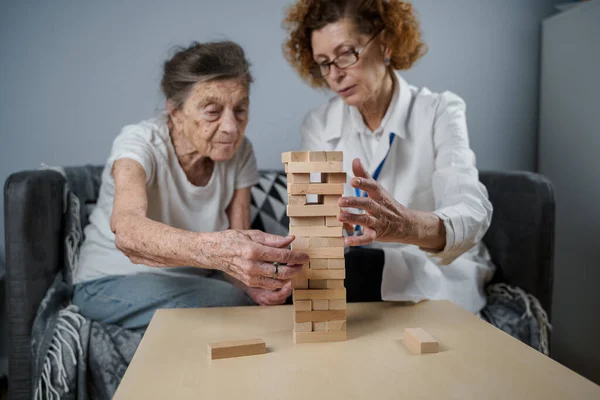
x=174 y=113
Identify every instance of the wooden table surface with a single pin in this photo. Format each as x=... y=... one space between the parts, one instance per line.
x=475 y=361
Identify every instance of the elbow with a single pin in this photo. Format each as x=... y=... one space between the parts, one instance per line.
x=123 y=230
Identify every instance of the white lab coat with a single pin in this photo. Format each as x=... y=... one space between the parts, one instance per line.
x=430 y=167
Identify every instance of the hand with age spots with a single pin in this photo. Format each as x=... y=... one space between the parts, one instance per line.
x=385 y=219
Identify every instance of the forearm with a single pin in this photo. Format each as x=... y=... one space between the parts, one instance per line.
x=427 y=231
x=155 y=244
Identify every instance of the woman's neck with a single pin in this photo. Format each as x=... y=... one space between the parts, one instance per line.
x=197 y=168
x=374 y=109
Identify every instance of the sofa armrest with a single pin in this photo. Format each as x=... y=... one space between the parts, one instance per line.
x=521 y=236
x=33 y=216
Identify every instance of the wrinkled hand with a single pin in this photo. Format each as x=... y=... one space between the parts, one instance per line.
x=266 y=297
x=248 y=256
x=384 y=220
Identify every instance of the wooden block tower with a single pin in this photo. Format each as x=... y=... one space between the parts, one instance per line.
x=319 y=294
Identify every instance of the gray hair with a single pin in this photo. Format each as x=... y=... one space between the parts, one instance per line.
x=201 y=62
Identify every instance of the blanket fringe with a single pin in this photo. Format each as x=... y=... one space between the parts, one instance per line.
x=532 y=307
x=68 y=323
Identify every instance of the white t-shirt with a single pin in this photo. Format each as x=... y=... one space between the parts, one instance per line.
x=172 y=199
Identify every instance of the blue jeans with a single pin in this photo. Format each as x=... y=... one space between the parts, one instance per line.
x=130 y=300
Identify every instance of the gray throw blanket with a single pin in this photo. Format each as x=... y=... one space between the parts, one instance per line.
x=78 y=358
x=75 y=357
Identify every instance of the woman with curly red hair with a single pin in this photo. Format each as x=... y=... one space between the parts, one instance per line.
x=414 y=191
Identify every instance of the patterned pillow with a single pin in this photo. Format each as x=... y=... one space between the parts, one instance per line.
x=268 y=203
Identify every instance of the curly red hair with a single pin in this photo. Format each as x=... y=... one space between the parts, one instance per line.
x=397 y=19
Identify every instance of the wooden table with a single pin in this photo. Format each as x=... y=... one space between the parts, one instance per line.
x=475 y=361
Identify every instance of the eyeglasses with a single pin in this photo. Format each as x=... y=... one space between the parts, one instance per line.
x=343 y=61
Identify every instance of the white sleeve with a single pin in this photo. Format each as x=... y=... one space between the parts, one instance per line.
x=135 y=144
x=246 y=169
x=461 y=200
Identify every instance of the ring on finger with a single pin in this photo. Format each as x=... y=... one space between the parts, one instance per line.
x=276 y=272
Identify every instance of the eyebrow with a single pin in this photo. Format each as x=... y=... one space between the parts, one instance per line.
x=337 y=48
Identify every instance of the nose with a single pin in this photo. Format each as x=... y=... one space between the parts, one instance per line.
x=335 y=74
x=229 y=123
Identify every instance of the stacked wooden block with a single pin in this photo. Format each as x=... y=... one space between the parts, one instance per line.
x=319 y=295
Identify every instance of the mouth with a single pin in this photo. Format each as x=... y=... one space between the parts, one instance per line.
x=346 y=91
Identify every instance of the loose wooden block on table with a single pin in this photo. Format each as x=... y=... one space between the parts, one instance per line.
x=318 y=337
x=316 y=188
x=313 y=210
x=319 y=167
x=236 y=348
x=420 y=341
x=322 y=231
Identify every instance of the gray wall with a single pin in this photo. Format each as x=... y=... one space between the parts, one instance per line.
x=73 y=72
x=569 y=143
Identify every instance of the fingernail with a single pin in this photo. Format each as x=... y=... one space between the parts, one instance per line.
x=359 y=181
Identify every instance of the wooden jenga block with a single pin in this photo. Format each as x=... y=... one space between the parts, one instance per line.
x=323 y=231
x=294 y=156
x=319 y=263
x=300 y=242
x=304 y=305
x=335 y=177
x=330 y=200
x=318 y=305
x=299 y=283
x=420 y=341
x=312 y=274
x=334 y=283
x=333 y=221
x=312 y=211
x=298 y=179
x=237 y=348
x=339 y=325
x=317 y=156
x=320 y=316
x=336 y=263
x=308 y=167
x=317 y=283
x=316 y=188
x=324 y=252
x=296 y=200
x=326 y=294
x=320 y=326
x=319 y=337
x=303 y=326
x=307 y=221
x=339 y=304
x=335 y=156
x=316 y=241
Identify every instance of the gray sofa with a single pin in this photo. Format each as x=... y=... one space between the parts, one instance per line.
x=520 y=239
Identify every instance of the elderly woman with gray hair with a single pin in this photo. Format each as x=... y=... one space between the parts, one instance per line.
x=171 y=226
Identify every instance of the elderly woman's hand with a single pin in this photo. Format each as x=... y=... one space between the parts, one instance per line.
x=248 y=256
x=385 y=219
